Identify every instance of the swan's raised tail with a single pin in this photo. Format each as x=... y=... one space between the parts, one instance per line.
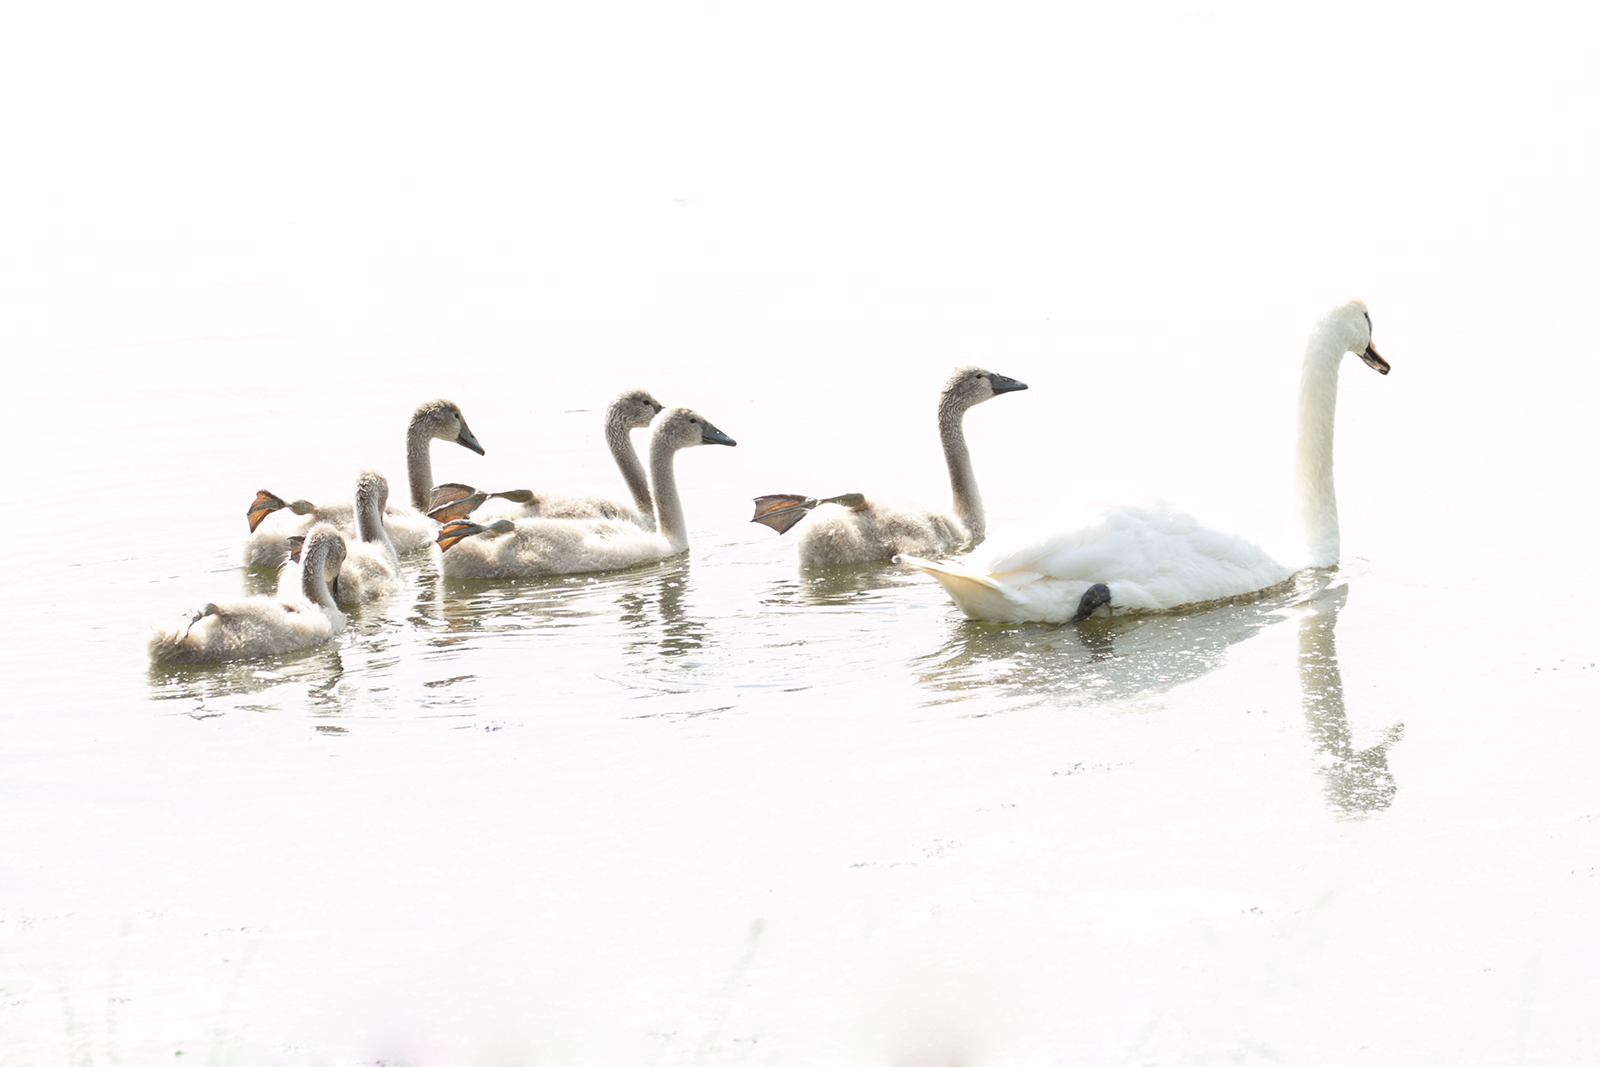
x=978 y=595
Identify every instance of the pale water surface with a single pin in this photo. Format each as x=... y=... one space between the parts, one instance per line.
x=716 y=810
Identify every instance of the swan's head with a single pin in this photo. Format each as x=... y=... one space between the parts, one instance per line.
x=442 y=420
x=682 y=428
x=973 y=385
x=1353 y=323
x=632 y=410
x=370 y=485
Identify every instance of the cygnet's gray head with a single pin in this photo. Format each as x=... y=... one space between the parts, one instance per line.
x=633 y=409
x=682 y=428
x=442 y=420
x=973 y=385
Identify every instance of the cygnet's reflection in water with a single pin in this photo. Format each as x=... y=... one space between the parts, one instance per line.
x=1101 y=660
x=458 y=609
x=1357 y=782
x=855 y=586
x=295 y=680
x=655 y=611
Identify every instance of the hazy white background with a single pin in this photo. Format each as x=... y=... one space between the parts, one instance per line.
x=236 y=246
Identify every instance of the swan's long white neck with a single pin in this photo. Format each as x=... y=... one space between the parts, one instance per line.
x=669 y=510
x=313 y=580
x=1313 y=453
x=966 y=502
x=419 y=462
x=621 y=443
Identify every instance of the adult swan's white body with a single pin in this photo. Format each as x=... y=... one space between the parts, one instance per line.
x=860 y=530
x=261 y=626
x=527 y=547
x=1152 y=559
x=410 y=528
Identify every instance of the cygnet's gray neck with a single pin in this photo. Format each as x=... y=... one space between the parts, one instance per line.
x=419 y=463
x=669 y=511
x=313 y=581
x=370 y=527
x=620 y=441
x=965 y=499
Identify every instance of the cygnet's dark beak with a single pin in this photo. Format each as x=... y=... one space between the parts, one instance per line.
x=1001 y=384
x=1371 y=358
x=710 y=435
x=466 y=439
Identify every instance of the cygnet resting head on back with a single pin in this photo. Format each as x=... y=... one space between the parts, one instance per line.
x=859 y=530
x=260 y=626
x=372 y=564
x=507 y=549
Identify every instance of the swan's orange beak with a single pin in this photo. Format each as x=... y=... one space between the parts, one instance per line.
x=1371 y=358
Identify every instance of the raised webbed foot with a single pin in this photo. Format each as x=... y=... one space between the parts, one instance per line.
x=459 y=508
x=782 y=510
x=459 y=530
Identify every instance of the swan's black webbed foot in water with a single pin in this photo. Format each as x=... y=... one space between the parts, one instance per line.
x=1097 y=595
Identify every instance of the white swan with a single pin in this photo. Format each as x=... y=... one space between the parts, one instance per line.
x=411 y=529
x=857 y=530
x=1153 y=558
x=507 y=549
x=630 y=411
x=260 y=626
x=371 y=563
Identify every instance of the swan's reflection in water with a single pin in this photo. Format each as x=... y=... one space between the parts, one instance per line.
x=1120 y=658
x=1357 y=782
x=1101 y=660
